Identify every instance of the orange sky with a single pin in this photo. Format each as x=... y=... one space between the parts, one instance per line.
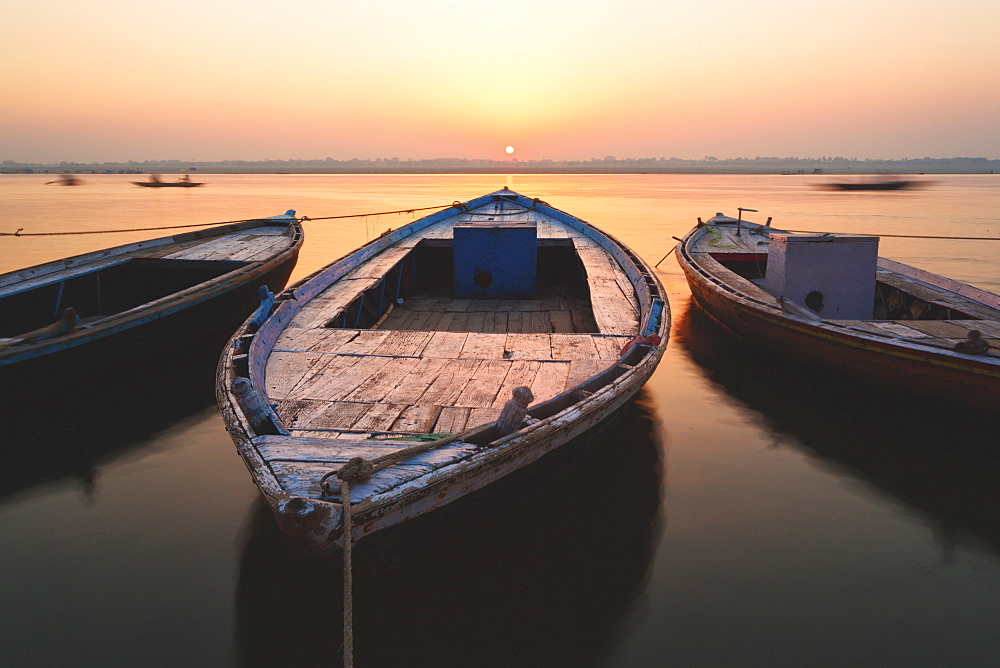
x=560 y=79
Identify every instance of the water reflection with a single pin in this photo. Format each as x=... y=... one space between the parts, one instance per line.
x=542 y=571
x=941 y=461
x=69 y=432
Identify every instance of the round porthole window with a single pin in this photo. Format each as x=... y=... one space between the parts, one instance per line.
x=483 y=279
x=814 y=300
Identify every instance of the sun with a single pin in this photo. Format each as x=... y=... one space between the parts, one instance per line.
x=509 y=150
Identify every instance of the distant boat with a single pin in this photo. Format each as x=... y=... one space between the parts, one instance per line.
x=168 y=184
x=900 y=184
x=85 y=319
x=451 y=352
x=65 y=180
x=828 y=300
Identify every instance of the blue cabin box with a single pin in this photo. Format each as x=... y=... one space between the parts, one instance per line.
x=496 y=260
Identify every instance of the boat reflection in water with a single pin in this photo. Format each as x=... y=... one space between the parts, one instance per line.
x=504 y=578
x=71 y=432
x=941 y=461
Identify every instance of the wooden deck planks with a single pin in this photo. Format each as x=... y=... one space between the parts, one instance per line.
x=442 y=364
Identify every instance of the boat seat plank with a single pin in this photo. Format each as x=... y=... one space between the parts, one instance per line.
x=614 y=312
x=529 y=346
x=936 y=295
x=363 y=342
x=313 y=340
x=412 y=386
x=609 y=348
x=303 y=478
x=484 y=346
x=944 y=329
x=573 y=346
x=379 y=265
x=417 y=419
x=884 y=327
x=320 y=414
x=379 y=417
x=325 y=306
x=296 y=448
x=451 y=420
x=241 y=246
x=520 y=373
x=403 y=343
x=376 y=386
x=483 y=416
x=489 y=376
x=988 y=328
x=339 y=377
x=444 y=344
x=581 y=370
x=286 y=370
x=550 y=380
x=449 y=384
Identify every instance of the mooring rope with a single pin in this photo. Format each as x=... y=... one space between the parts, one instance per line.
x=20 y=233
x=359 y=469
x=900 y=236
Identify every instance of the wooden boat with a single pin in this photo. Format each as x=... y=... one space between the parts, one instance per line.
x=168 y=184
x=88 y=318
x=428 y=333
x=900 y=184
x=829 y=300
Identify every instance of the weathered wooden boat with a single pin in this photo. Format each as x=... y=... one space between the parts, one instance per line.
x=829 y=300
x=87 y=318
x=415 y=358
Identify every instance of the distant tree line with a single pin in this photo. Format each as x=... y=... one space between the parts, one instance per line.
x=609 y=164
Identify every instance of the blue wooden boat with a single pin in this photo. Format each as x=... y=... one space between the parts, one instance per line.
x=435 y=361
x=89 y=318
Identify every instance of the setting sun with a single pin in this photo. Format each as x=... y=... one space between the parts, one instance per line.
x=509 y=150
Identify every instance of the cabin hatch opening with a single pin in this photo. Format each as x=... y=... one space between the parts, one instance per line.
x=418 y=293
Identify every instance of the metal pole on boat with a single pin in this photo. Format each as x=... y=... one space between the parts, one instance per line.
x=739 y=219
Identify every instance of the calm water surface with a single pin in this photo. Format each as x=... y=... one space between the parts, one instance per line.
x=744 y=512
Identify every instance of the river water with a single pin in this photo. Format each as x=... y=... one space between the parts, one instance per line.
x=744 y=512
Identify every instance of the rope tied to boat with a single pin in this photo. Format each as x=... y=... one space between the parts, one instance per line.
x=359 y=470
x=21 y=233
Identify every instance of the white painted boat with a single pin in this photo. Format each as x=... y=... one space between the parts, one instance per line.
x=829 y=301
x=405 y=355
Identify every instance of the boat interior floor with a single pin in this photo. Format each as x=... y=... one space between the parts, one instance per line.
x=550 y=311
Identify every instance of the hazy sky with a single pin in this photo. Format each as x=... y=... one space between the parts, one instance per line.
x=96 y=80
